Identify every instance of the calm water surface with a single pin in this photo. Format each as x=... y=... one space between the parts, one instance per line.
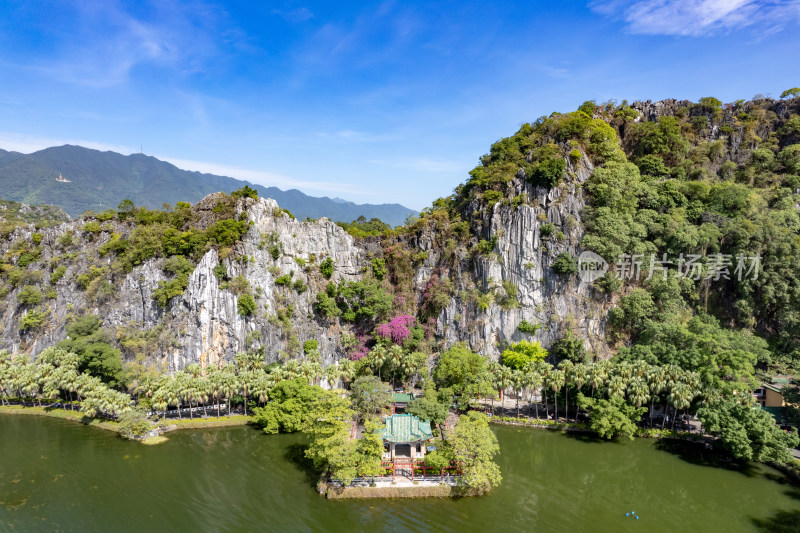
x=56 y=475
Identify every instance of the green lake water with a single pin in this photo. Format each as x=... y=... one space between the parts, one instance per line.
x=56 y=475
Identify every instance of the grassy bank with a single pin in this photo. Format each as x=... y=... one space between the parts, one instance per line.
x=199 y=423
x=75 y=416
x=172 y=425
x=649 y=433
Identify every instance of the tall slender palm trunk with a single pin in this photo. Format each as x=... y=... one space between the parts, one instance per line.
x=546 y=407
x=555 y=404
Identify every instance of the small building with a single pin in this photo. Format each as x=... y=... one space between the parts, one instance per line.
x=769 y=395
x=400 y=401
x=405 y=436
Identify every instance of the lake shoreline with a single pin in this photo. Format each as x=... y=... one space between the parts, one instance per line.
x=107 y=425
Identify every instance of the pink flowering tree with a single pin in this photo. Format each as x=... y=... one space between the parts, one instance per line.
x=359 y=349
x=396 y=330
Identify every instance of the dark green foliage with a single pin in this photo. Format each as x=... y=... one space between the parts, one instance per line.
x=662 y=138
x=565 y=264
x=547 y=173
x=519 y=354
x=378 y=268
x=177 y=265
x=486 y=247
x=547 y=229
x=286 y=279
x=369 y=396
x=310 y=345
x=246 y=305
x=355 y=301
x=227 y=232
x=749 y=433
x=271 y=242
x=33 y=319
x=361 y=227
x=463 y=371
x=245 y=192
x=433 y=406
x=794 y=92
x=180 y=267
x=527 y=327
x=288 y=411
x=29 y=256
x=29 y=296
x=326 y=267
x=220 y=272
x=133 y=424
x=569 y=347
x=611 y=418
x=327 y=306
x=474 y=446
x=299 y=286
x=57 y=274
x=93 y=345
x=169 y=289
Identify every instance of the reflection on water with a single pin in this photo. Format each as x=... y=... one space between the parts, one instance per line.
x=60 y=476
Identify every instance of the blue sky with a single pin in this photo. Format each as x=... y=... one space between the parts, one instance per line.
x=373 y=102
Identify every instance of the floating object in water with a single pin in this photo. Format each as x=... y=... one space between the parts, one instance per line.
x=637 y=518
x=627 y=514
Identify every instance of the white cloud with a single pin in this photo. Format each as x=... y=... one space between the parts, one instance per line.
x=107 y=41
x=699 y=17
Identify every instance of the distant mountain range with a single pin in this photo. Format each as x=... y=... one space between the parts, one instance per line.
x=78 y=179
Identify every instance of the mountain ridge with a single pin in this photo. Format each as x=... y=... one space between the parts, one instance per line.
x=99 y=180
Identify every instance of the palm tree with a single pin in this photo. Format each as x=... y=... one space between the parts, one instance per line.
x=173 y=395
x=544 y=369
x=291 y=369
x=228 y=385
x=533 y=380
x=656 y=382
x=579 y=377
x=556 y=380
x=517 y=383
x=624 y=370
x=566 y=366
x=494 y=372
x=616 y=387
x=332 y=374
x=596 y=376
x=377 y=357
x=347 y=371
x=638 y=391
x=408 y=369
x=245 y=386
x=504 y=380
x=215 y=380
x=307 y=371
x=681 y=397
x=395 y=357
x=261 y=386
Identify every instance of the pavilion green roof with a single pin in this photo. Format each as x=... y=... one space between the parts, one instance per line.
x=402 y=397
x=406 y=428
